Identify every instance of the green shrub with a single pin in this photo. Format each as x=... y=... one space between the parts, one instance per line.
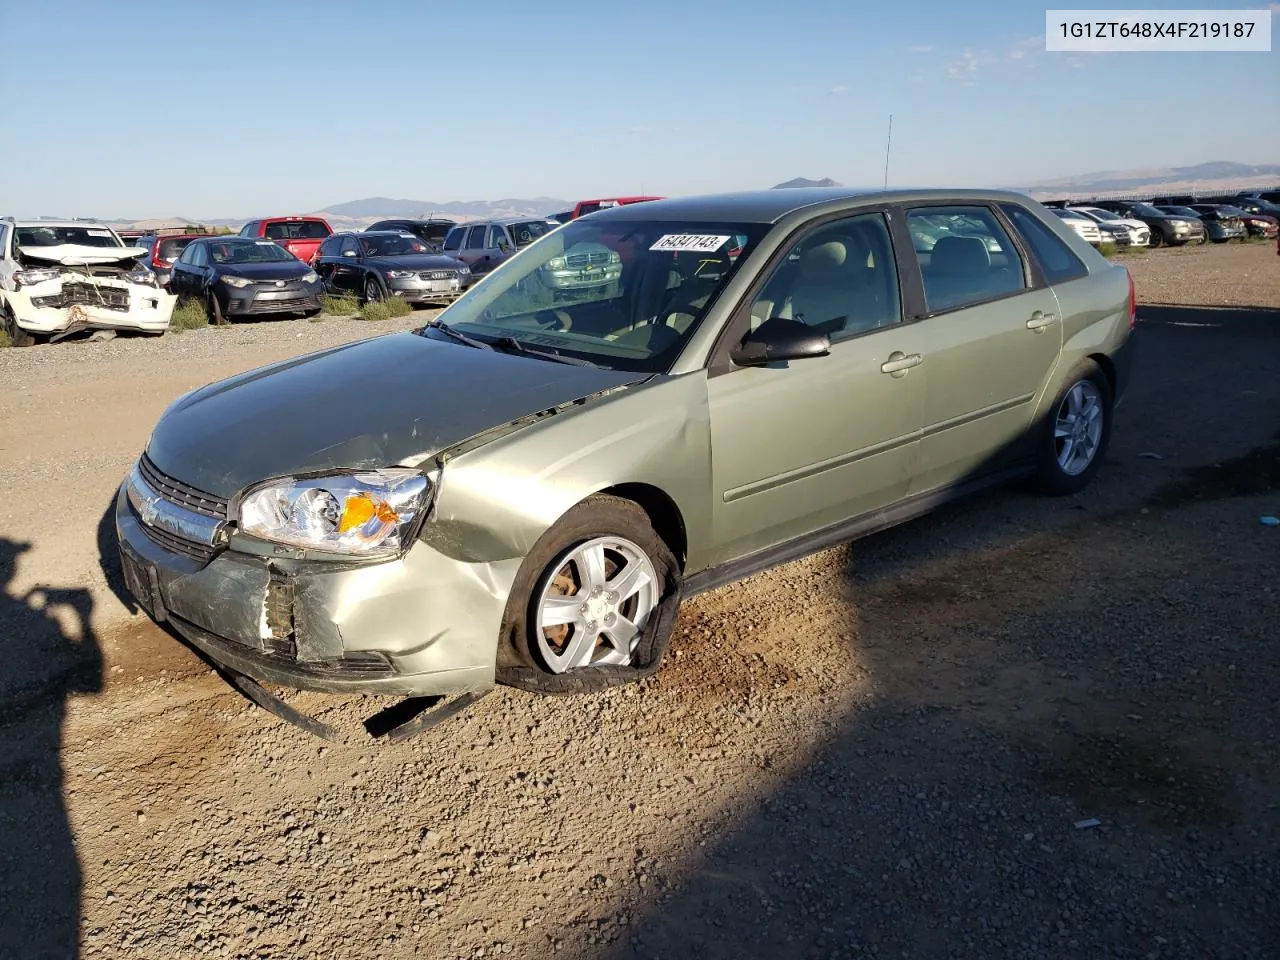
x=4 y=338
x=340 y=306
x=385 y=309
x=188 y=315
x=1107 y=249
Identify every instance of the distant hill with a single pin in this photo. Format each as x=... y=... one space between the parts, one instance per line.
x=800 y=182
x=372 y=207
x=1216 y=175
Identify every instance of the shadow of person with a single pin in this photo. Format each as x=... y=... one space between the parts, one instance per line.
x=49 y=653
x=109 y=557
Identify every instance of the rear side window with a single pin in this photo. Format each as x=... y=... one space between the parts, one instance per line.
x=453 y=240
x=475 y=238
x=965 y=255
x=1057 y=260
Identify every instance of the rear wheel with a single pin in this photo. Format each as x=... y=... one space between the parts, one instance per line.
x=1076 y=432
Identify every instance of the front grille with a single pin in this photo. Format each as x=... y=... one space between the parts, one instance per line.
x=579 y=260
x=290 y=303
x=175 y=491
x=437 y=275
x=86 y=294
x=188 y=548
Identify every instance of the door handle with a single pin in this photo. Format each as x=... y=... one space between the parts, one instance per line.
x=1040 y=320
x=899 y=363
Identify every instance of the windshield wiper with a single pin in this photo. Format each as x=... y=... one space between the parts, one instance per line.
x=512 y=345
x=458 y=335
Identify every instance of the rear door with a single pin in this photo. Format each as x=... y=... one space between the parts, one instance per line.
x=474 y=248
x=990 y=336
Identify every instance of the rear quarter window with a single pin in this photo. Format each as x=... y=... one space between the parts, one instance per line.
x=1058 y=261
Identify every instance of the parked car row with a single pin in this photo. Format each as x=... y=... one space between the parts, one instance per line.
x=1173 y=220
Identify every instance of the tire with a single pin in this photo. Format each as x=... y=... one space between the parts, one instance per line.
x=373 y=289
x=1156 y=238
x=582 y=654
x=213 y=308
x=1204 y=238
x=17 y=336
x=1060 y=470
x=1221 y=239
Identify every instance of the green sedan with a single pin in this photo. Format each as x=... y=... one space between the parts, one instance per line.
x=523 y=490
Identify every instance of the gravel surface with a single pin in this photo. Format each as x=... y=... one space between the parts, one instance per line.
x=892 y=749
x=1214 y=275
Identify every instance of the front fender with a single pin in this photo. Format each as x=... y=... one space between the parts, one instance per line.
x=496 y=500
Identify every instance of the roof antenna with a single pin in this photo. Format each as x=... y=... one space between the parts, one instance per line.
x=887 y=144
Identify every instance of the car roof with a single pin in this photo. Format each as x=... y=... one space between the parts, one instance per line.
x=288 y=216
x=770 y=206
x=500 y=220
x=417 y=220
x=96 y=224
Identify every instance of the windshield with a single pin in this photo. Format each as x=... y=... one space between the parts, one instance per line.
x=254 y=251
x=57 y=236
x=1179 y=211
x=525 y=233
x=623 y=294
x=392 y=245
x=297 y=230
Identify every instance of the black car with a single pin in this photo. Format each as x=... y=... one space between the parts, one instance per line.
x=377 y=264
x=241 y=276
x=431 y=231
x=1166 y=228
x=1271 y=196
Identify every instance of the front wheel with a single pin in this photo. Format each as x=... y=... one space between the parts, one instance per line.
x=17 y=336
x=373 y=290
x=593 y=604
x=1076 y=432
x=1156 y=238
x=213 y=307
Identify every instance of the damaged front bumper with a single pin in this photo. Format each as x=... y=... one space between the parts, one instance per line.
x=73 y=304
x=422 y=625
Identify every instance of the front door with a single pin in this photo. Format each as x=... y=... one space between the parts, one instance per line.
x=801 y=446
x=991 y=339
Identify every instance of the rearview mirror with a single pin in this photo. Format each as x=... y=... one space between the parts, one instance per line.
x=779 y=339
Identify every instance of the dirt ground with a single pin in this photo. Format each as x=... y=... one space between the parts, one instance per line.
x=881 y=750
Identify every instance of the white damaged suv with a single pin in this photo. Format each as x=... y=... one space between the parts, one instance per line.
x=58 y=277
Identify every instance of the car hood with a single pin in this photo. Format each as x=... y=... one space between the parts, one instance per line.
x=415 y=261
x=280 y=270
x=373 y=403
x=78 y=255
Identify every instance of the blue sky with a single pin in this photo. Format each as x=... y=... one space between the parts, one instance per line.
x=237 y=108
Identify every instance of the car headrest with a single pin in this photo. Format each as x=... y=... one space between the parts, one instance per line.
x=954 y=256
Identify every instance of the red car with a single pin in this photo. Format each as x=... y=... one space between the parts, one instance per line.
x=301 y=236
x=591 y=206
x=163 y=250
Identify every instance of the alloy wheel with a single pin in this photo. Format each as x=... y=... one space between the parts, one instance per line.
x=593 y=601
x=1077 y=430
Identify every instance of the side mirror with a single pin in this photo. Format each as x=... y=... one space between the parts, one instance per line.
x=348 y=253
x=780 y=339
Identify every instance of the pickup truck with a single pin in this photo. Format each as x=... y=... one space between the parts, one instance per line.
x=301 y=236
x=591 y=206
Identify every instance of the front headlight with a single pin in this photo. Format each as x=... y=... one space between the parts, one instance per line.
x=555 y=263
x=28 y=277
x=237 y=282
x=401 y=274
x=310 y=277
x=463 y=270
x=142 y=275
x=359 y=514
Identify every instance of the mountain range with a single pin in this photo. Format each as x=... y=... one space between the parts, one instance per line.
x=1215 y=176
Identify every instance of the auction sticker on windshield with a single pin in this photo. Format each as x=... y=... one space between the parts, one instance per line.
x=695 y=242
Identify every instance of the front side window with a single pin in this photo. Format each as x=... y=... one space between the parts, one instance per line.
x=200 y=256
x=840 y=279
x=625 y=295
x=349 y=247
x=330 y=247
x=1057 y=261
x=965 y=256
x=498 y=237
